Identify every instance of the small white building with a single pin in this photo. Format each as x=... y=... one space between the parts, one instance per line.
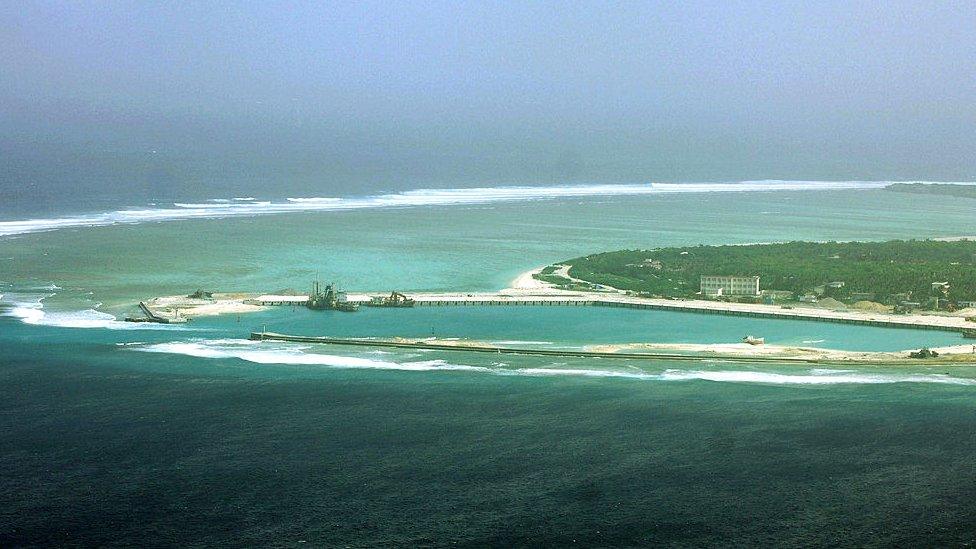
x=716 y=285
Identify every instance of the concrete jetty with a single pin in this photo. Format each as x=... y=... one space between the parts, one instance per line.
x=153 y=316
x=621 y=300
x=180 y=308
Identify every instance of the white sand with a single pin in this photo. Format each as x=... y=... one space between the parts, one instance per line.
x=527 y=281
x=167 y=306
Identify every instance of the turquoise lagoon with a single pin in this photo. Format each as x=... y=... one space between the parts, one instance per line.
x=148 y=435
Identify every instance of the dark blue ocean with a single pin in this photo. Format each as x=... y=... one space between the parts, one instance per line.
x=114 y=435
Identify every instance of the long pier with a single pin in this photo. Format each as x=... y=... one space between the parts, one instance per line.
x=617 y=300
x=510 y=298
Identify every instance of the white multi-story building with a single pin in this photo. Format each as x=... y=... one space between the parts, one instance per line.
x=729 y=285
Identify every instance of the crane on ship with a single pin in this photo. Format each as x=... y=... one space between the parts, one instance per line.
x=329 y=298
x=395 y=299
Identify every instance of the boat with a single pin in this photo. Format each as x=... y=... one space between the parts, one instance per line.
x=329 y=299
x=752 y=340
x=395 y=299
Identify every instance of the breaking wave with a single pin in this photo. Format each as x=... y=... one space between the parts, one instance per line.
x=247 y=206
x=29 y=309
x=815 y=377
x=283 y=353
x=252 y=352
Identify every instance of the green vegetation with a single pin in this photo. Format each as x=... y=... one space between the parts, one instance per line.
x=888 y=270
x=944 y=189
x=560 y=281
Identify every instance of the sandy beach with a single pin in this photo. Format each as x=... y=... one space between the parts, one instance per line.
x=188 y=307
x=527 y=281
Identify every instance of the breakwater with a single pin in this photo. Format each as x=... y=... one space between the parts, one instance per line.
x=428 y=345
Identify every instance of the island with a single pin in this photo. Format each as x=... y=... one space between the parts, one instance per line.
x=915 y=284
x=894 y=276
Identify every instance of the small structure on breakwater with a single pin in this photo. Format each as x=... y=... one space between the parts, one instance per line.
x=153 y=316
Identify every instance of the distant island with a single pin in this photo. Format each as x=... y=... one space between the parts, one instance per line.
x=943 y=189
x=900 y=274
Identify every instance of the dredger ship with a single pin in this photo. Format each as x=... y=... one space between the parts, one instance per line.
x=329 y=299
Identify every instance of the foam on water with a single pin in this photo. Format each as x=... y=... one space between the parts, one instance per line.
x=812 y=378
x=91 y=318
x=246 y=350
x=246 y=206
x=29 y=309
x=283 y=353
x=579 y=372
x=88 y=318
x=49 y=287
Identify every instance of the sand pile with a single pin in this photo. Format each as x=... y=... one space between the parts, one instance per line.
x=871 y=307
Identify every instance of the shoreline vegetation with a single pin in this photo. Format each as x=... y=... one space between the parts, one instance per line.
x=895 y=276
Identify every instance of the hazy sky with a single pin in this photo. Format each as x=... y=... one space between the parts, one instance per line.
x=473 y=92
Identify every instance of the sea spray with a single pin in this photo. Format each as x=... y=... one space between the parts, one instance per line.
x=281 y=353
x=221 y=208
x=29 y=308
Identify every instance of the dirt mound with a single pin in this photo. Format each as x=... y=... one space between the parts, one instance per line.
x=871 y=307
